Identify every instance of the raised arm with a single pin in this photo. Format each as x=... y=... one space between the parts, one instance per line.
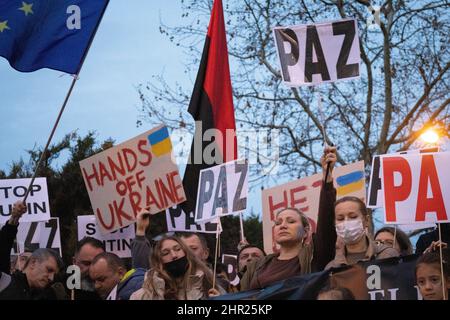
x=325 y=237
x=8 y=234
x=140 y=246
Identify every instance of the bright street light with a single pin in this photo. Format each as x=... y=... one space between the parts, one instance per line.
x=429 y=136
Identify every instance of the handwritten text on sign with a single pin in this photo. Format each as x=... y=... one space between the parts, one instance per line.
x=304 y=194
x=316 y=53
x=138 y=173
x=416 y=187
x=222 y=189
x=178 y=220
x=12 y=190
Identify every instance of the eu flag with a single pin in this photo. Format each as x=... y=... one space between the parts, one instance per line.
x=54 y=34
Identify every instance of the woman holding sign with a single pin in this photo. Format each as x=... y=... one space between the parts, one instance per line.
x=176 y=274
x=354 y=241
x=292 y=232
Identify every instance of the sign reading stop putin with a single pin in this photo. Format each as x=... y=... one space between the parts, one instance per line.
x=416 y=188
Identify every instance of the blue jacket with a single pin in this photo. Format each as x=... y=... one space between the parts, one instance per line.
x=131 y=282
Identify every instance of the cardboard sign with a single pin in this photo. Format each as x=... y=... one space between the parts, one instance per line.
x=35 y=235
x=222 y=190
x=304 y=194
x=118 y=242
x=138 y=173
x=178 y=220
x=416 y=187
x=230 y=261
x=375 y=193
x=317 y=53
x=13 y=190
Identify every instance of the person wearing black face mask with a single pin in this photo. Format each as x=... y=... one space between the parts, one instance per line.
x=176 y=274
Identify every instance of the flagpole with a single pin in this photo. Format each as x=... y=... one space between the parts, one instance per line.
x=75 y=78
x=44 y=152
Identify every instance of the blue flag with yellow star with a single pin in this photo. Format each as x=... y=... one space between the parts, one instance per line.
x=54 y=34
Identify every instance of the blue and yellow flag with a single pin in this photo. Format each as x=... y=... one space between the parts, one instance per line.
x=350 y=182
x=54 y=34
x=160 y=142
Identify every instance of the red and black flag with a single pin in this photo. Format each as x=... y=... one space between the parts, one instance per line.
x=211 y=106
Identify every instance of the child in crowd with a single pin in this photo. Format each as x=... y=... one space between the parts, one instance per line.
x=429 y=276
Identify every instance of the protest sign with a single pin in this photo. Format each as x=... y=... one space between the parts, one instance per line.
x=136 y=174
x=118 y=242
x=178 y=221
x=374 y=192
x=35 y=235
x=416 y=187
x=320 y=52
x=231 y=263
x=12 y=190
x=304 y=194
x=222 y=190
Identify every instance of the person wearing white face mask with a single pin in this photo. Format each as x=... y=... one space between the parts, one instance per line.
x=351 y=219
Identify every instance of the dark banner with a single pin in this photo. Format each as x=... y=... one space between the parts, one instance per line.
x=387 y=279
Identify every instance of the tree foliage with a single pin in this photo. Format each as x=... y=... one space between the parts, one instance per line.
x=403 y=89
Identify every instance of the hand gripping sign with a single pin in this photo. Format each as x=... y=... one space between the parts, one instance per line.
x=136 y=174
x=304 y=194
x=416 y=187
x=12 y=190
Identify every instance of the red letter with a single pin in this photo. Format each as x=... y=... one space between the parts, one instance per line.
x=132 y=166
x=281 y=205
x=89 y=177
x=425 y=204
x=392 y=193
x=135 y=200
x=294 y=201
x=120 y=213
x=142 y=143
x=100 y=218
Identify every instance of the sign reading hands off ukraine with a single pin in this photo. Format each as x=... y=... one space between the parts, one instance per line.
x=136 y=174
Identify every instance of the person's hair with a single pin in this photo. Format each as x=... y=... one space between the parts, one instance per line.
x=401 y=238
x=113 y=260
x=361 y=204
x=435 y=258
x=171 y=287
x=249 y=246
x=192 y=234
x=43 y=254
x=303 y=217
x=92 y=242
x=345 y=293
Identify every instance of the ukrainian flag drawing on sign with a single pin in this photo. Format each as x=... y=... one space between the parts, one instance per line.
x=350 y=183
x=160 y=142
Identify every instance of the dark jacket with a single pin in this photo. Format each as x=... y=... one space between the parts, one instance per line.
x=140 y=252
x=19 y=289
x=7 y=235
x=426 y=239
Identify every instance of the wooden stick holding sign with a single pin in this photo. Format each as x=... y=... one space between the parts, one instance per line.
x=241 y=222
x=216 y=253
